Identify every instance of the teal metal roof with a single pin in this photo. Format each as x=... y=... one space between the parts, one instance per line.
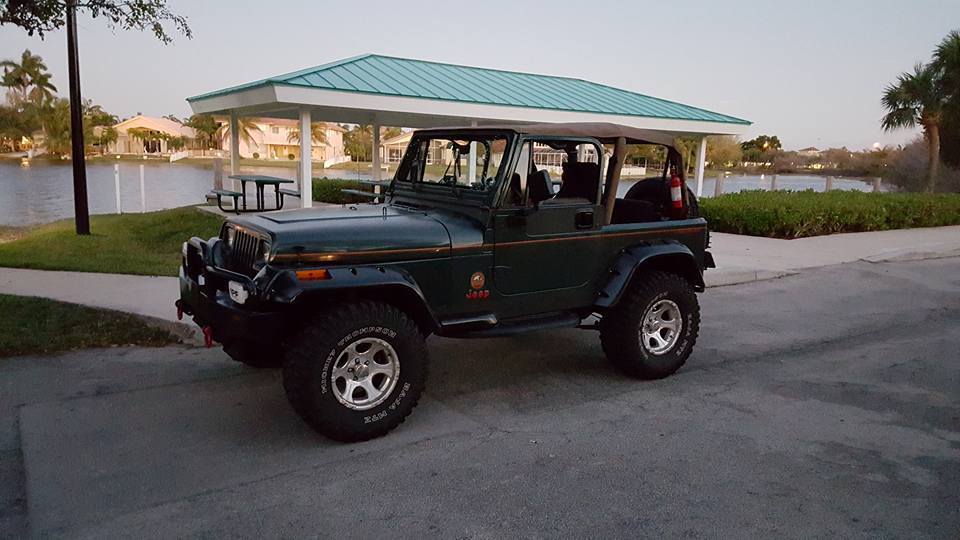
x=386 y=75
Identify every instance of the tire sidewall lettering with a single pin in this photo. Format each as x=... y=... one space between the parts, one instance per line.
x=383 y=410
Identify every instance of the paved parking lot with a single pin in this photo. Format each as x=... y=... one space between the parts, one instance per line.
x=821 y=404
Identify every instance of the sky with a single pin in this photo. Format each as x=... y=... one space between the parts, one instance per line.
x=809 y=72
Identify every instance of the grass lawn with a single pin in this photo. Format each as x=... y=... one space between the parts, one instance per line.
x=39 y=326
x=146 y=244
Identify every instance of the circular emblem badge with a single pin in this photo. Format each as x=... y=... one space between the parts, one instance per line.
x=477 y=280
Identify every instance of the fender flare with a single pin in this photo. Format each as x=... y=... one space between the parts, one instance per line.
x=395 y=286
x=672 y=255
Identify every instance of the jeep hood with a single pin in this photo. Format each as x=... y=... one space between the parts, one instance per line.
x=355 y=234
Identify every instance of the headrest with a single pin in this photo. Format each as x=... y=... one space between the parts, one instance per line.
x=540 y=187
x=580 y=180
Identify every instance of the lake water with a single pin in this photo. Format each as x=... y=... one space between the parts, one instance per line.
x=43 y=192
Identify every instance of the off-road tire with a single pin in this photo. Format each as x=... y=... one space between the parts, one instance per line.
x=620 y=327
x=254 y=354
x=310 y=360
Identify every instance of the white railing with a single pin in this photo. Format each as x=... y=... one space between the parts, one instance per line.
x=177 y=156
x=336 y=160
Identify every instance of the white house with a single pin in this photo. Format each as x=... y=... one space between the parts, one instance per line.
x=161 y=129
x=277 y=138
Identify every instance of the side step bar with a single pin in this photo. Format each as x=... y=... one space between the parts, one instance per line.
x=485 y=327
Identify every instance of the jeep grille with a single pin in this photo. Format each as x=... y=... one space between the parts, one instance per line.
x=247 y=249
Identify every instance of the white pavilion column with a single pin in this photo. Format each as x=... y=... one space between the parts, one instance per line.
x=701 y=161
x=472 y=165
x=376 y=151
x=306 y=159
x=234 y=147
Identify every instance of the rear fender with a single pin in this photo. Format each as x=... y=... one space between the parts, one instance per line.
x=672 y=257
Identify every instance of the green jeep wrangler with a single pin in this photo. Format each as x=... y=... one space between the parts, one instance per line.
x=476 y=238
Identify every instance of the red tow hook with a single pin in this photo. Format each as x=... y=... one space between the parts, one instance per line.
x=179 y=304
x=208 y=336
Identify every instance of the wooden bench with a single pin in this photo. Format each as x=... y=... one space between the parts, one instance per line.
x=235 y=195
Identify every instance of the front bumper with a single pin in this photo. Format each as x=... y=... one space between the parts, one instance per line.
x=203 y=296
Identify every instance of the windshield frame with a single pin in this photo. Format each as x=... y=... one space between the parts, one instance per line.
x=415 y=189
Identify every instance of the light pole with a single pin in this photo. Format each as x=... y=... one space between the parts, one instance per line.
x=80 y=210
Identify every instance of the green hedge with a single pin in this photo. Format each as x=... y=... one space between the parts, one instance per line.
x=328 y=190
x=797 y=214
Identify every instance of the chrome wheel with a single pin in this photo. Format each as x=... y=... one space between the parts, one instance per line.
x=661 y=327
x=365 y=373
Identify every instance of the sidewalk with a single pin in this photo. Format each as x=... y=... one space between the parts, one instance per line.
x=740 y=259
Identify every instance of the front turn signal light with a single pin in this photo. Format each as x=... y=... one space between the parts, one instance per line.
x=313 y=275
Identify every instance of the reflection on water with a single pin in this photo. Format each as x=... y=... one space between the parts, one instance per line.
x=43 y=192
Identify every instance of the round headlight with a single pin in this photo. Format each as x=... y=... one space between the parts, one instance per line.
x=231 y=236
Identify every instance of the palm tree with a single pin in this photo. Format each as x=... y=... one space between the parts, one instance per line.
x=946 y=58
x=247 y=127
x=27 y=80
x=318 y=133
x=205 y=128
x=918 y=99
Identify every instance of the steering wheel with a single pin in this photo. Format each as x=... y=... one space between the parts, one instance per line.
x=483 y=184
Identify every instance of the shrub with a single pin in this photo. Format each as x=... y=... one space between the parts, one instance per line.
x=797 y=214
x=256 y=155
x=328 y=190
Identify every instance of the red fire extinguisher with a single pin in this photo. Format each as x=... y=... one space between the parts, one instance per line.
x=676 y=193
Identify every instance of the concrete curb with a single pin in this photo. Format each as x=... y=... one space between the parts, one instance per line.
x=715 y=278
x=912 y=255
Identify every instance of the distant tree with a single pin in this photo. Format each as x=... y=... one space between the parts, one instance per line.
x=389 y=132
x=723 y=151
x=15 y=125
x=246 y=129
x=176 y=143
x=104 y=136
x=205 y=128
x=56 y=127
x=918 y=99
x=318 y=133
x=358 y=141
x=28 y=80
x=761 y=149
x=649 y=154
x=42 y=16
x=96 y=116
x=173 y=118
x=141 y=134
x=908 y=165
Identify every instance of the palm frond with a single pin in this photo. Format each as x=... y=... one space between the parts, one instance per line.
x=946 y=58
x=916 y=98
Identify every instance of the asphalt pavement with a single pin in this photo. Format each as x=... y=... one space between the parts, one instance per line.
x=823 y=404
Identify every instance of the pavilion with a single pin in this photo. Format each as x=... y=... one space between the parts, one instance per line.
x=390 y=91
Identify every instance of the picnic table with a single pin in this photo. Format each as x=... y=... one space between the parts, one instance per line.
x=261 y=182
